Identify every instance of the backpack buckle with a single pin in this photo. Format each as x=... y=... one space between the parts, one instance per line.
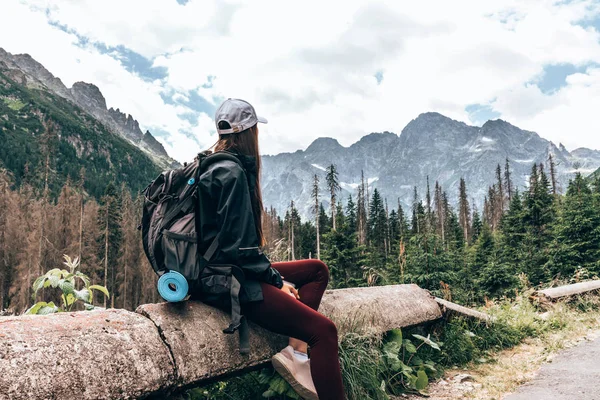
x=232 y=328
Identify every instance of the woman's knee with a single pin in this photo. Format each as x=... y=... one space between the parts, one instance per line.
x=322 y=270
x=327 y=330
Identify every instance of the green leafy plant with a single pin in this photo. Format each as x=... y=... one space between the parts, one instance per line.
x=278 y=387
x=409 y=369
x=65 y=280
x=375 y=369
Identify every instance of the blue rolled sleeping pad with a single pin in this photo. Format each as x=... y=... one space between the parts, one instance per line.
x=173 y=286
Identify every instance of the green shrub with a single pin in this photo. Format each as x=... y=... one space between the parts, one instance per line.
x=65 y=280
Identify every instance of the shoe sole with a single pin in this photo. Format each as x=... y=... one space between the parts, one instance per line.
x=286 y=374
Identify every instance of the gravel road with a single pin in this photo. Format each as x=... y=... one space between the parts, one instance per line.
x=573 y=374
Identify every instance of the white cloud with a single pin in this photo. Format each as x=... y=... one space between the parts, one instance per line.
x=566 y=116
x=309 y=66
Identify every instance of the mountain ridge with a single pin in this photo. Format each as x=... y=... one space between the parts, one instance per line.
x=89 y=97
x=48 y=141
x=431 y=145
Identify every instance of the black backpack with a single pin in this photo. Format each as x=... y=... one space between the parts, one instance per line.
x=169 y=236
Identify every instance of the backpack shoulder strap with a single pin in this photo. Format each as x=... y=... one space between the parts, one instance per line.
x=219 y=156
x=210 y=159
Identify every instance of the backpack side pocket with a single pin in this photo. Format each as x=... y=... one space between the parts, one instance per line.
x=180 y=249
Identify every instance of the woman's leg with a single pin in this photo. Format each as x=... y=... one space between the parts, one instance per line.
x=311 y=277
x=283 y=314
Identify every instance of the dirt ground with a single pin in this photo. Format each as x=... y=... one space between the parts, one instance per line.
x=508 y=370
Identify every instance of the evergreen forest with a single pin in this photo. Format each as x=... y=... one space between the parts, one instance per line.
x=527 y=235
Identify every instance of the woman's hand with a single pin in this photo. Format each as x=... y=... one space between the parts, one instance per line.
x=290 y=290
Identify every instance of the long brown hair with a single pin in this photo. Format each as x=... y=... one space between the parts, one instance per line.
x=246 y=143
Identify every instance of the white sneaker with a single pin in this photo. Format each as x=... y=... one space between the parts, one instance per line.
x=295 y=372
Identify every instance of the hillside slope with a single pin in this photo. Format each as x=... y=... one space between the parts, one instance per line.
x=89 y=98
x=35 y=122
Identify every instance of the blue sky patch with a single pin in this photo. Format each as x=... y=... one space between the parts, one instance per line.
x=593 y=22
x=209 y=82
x=554 y=76
x=192 y=100
x=132 y=61
x=481 y=113
x=183 y=2
x=191 y=117
x=162 y=134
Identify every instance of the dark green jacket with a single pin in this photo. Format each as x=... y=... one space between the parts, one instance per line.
x=225 y=190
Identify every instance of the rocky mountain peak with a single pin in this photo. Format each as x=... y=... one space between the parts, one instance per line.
x=127 y=123
x=432 y=118
x=324 y=144
x=89 y=94
x=562 y=147
x=495 y=125
x=375 y=137
x=431 y=128
x=154 y=144
x=431 y=122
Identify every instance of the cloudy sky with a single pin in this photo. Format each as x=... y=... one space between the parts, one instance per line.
x=323 y=68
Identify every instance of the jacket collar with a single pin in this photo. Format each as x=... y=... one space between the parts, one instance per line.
x=249 y=163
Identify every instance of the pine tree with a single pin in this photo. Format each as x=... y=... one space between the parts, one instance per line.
x=292 y=223
x=377 y=224
x=500 y=193
x=6 y=269
x=351 y=214
x=429 y=216
x=29 y=211
x=362 y=211
x=418 y=214
x=131 y=251
x=333 y=185
x=92 y=248
x=315 y=195
x=403 y=226
x=464 y=210
x=440 y=211
x=343 y=254
x=494 y=278
x=48 y=145
x=538 y=218
x=65 y=223
x=507 y=180
x=110 y=238
x=393 y=227
x=476 y=225
x=513 y=233
x=552 y=174
x=492 y=211
x=81 y=209
x=306 y=247
x=577 y=241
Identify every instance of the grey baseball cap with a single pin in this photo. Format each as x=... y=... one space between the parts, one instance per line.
x=239 y=114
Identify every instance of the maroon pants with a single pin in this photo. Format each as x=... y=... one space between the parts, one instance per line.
x=281 y=313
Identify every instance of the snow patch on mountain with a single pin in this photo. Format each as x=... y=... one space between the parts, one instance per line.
x=583 y=171
x=349 y=186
